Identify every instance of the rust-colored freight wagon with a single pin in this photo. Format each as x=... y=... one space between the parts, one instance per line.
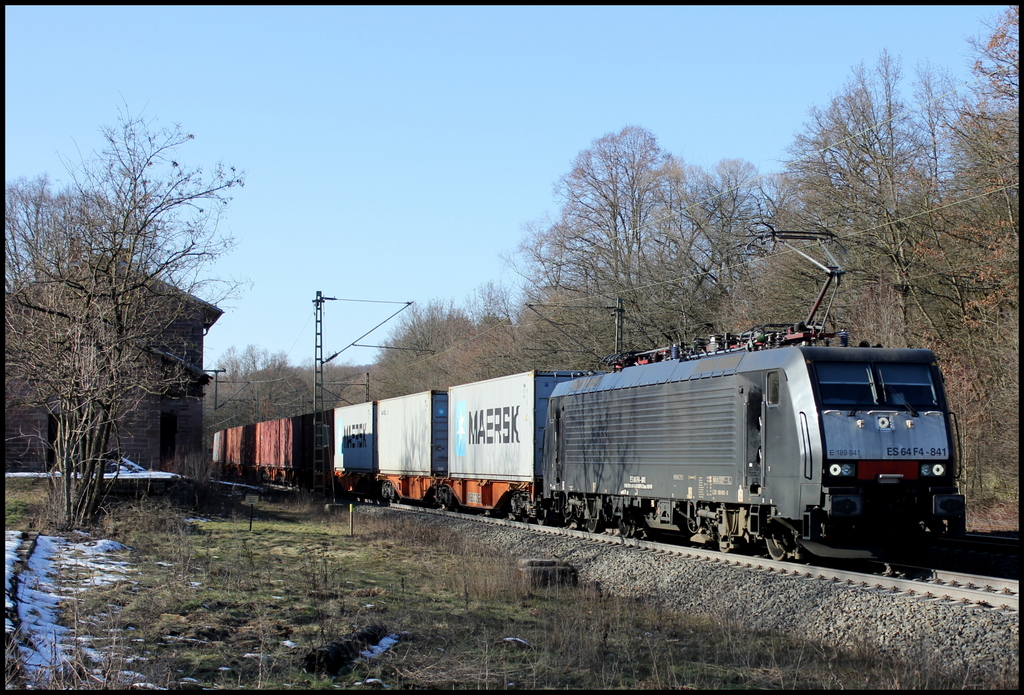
x=236 y=449
x=279 y=448
x=305 y=470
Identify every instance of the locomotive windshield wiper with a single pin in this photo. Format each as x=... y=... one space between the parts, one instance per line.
x=874 y=391
x=899 y=399
x=874 y=386
x=897 y=396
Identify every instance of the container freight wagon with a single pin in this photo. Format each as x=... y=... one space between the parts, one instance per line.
x=412 y=446
x=496 y=440
x=355 y=447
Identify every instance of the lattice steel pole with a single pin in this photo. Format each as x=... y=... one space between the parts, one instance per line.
x=321 y=440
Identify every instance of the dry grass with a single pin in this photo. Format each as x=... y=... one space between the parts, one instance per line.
x=993 y=517
x=215 y=605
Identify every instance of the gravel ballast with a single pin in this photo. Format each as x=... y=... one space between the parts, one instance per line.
x=912 y=628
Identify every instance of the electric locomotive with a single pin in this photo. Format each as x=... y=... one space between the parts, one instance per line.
x=838 y=451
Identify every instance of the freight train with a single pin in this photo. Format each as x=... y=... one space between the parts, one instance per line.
x=767 y=442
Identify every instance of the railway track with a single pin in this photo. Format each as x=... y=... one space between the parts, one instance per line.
x=982 y=543
x=924 y=583
x=976 y=554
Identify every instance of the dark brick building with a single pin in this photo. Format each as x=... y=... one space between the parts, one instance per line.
x=161 y=428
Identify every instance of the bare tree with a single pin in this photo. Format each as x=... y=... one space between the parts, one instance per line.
x=256 y=385
x=425 y=350
x=977 y=259
x=639 y=226
x=97 y=275
x=861 y=171
x=923 y=189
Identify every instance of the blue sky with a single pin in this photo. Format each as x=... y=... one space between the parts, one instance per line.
x=396 y=153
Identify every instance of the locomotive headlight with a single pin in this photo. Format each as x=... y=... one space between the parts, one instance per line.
x=932 y=469
x=843 y=469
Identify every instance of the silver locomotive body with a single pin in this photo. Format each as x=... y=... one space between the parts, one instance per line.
x=833 y=450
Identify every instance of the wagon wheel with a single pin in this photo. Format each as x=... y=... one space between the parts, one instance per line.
x=388 y=492
x=548 y=517
x=446 y=499
x=518 y=505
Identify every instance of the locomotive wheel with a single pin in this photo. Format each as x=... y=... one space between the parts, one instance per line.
x=775 y=549
x=628 y=528
x=784 y=547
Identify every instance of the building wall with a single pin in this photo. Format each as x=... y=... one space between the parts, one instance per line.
x=160 y=426
x=25 y=440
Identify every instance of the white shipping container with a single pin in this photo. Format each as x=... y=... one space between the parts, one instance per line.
x=413 y=434
x=355 y=447
x=497 y=430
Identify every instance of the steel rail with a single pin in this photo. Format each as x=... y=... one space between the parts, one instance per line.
x=978 y=590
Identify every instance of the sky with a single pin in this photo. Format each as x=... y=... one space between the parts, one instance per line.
x=396 y=154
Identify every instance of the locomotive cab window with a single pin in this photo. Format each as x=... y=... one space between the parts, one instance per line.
x=908 y=383
x=773 y=388
x=846 y=383
x=880 y=384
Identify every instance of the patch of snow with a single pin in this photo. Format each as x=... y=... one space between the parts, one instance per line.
x=12 y=541
x=374 y=682
x=43 y=644
x=516 y=640
x=379 y=648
